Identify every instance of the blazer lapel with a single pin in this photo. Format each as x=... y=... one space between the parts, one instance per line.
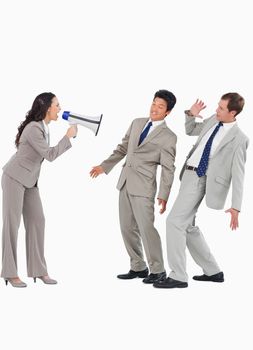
x=153 y=134
x=138 y=130
x=44 y=132
x=230 y=135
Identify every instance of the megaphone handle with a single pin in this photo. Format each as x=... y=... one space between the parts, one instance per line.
x=71 y=123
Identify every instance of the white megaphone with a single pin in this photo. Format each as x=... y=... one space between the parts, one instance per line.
x=92 y=123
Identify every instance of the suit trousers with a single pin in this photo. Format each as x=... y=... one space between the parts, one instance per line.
x=136 y=215
x=18 y=199
x=181 y=231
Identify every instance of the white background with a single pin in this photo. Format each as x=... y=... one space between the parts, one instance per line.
x=110 y=57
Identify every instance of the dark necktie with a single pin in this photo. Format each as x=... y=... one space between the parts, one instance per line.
x=144 y=133
x=203 y=163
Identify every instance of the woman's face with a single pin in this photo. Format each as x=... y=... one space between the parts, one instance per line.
x=53 y=110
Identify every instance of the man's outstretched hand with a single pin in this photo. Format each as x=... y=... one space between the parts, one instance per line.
x=96 y=170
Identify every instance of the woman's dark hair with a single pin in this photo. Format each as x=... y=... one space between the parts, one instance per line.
x=168 y=97
x=37 y=113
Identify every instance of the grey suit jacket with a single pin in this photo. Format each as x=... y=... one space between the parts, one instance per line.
x=139 y=170
x=24 y=166
x=226 y=165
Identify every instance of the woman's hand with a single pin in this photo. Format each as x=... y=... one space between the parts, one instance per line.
x=72 y=131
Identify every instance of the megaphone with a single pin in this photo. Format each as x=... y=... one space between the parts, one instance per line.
x=92 y=123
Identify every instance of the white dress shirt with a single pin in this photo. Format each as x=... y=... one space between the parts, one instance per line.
x=196 y=156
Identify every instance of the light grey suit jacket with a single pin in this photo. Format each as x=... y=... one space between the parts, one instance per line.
x=226 y=165
x=24 y=166
x=139 y=170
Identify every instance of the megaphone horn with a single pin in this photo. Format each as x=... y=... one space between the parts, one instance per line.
x=92 y=123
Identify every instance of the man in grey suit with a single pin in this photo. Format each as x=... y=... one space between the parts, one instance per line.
x=147 y=143
x=215 y=161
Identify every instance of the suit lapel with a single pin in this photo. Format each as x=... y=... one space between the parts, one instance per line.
x=42 y=127
x=44 y=132
x=153 y=134
x=138 y=130
x=229 y=136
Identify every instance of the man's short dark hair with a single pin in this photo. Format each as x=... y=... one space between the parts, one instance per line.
x=235 y=101
x=167 y=96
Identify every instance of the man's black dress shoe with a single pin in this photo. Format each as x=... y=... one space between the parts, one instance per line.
x=154 y=277
x=170 y=283
x=133 y=274
x=218 y=277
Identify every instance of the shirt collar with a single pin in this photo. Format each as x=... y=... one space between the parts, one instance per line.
x=228 y=126
x=156 y=122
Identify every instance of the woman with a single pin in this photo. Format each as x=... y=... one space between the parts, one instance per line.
x=21 y=193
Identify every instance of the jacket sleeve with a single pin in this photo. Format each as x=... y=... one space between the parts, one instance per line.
x=118 y=154
x=167 y=160
x=35 y=138
x=238 y=168
x=192 y=128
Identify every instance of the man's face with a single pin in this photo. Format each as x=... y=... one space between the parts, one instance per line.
x=158 y=109
x=223 y=114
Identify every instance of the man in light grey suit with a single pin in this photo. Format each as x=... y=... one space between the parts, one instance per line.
x=215 y=161
x=147 y=143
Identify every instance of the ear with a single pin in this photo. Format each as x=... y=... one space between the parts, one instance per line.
x=233 y=113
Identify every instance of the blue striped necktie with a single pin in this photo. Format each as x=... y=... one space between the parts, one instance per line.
x=144 y=133
x=203 y=163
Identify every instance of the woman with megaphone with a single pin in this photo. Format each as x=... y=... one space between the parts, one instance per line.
x=21 y=192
